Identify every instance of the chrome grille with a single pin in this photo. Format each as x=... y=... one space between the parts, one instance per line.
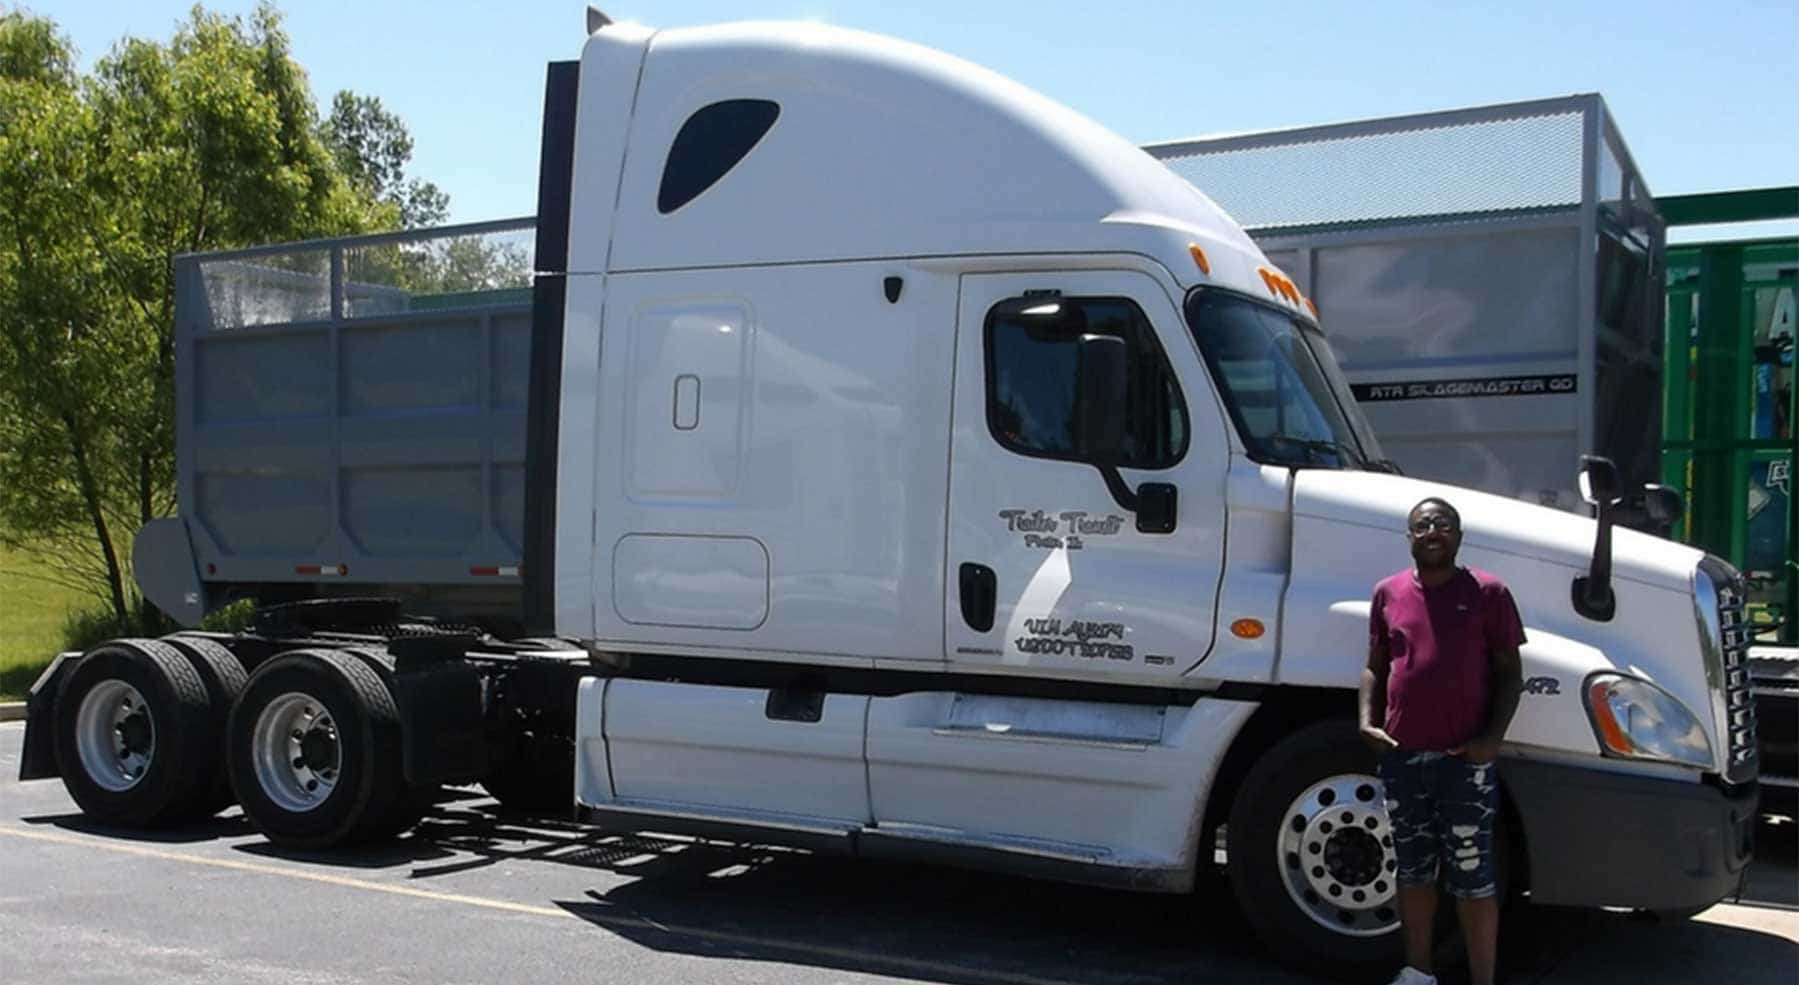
x=1735 y=635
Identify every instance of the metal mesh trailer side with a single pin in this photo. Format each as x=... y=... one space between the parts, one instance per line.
x=351 y=416
x=1490 y=279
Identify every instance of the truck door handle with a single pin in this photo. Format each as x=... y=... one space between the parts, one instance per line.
x=980 y=589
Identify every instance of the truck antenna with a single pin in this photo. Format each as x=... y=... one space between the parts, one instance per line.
x=596 y=19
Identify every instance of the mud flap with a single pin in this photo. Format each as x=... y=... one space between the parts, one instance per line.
x=442 y=723
x=37 y=761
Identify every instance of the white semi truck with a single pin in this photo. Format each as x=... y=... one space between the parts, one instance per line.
x=887 y=461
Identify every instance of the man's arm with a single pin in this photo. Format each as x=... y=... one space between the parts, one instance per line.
x=1373 y=697
x=1506 y=686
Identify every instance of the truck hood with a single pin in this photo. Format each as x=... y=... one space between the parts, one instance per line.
x=1491 y=525
x=1349 y=532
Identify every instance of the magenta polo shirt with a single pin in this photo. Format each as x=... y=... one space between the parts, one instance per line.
x=1439 y=640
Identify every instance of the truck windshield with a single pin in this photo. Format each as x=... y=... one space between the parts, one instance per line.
x=1281 y=384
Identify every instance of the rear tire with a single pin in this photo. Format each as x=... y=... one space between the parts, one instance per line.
x=131 y=730
x=410 y=801
x=313 y=750
x=225 y=679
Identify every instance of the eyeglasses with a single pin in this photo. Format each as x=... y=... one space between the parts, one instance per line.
x=1439 y=523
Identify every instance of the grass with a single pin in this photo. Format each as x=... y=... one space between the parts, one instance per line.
x=32 y=615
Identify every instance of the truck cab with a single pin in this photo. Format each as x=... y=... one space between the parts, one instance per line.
x=905 y=376
x=914 y=468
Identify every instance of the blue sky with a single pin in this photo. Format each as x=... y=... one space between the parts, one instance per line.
x=1706 y=95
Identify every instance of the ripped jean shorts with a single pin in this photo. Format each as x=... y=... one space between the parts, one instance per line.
x=1442 y=808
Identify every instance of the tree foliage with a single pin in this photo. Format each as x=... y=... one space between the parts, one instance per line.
x=207 y=141
x=373 y=148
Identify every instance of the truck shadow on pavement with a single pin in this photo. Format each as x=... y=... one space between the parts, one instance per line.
x=705 y=898
x=752 y=902
x=210 y=829
x=743 y=901
x=755 y=902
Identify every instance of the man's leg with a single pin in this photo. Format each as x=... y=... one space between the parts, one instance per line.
x=1469 y=801
x=1412 y=811
x=1480 y=929
x=1417 y=914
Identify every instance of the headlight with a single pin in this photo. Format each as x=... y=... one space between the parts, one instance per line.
x=1635 y=719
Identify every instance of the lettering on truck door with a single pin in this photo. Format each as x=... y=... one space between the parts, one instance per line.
x=1046 y=570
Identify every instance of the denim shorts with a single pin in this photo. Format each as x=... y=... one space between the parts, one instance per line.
x=1442 y=809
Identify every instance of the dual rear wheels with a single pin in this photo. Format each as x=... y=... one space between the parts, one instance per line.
x=133 y=727
x=151 y=733
x=313 y=751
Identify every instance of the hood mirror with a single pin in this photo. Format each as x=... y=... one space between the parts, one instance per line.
x=1592 y=593
x=1598 y=481
x=1663 y=504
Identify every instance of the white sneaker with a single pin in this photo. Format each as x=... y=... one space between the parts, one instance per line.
x=1412 y=976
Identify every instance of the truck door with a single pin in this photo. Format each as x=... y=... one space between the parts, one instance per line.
x=1048 y=571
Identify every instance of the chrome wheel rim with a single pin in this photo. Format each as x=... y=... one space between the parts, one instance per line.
x=1335 y=855
x=297 y=752
x=115 y=735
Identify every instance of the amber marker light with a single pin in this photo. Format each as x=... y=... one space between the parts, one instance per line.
x=1199 y=259
x=1599 y=699
x=1248 y=629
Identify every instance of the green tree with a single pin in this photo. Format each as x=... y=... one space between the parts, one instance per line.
x=58 y=316
x=373 y=148
x=208 y=141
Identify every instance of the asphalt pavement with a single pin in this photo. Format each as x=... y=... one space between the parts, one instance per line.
x=474 y=896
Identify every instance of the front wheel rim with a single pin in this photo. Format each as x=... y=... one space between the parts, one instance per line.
x=297 y=752
x=1335 y=856
x=115 y=735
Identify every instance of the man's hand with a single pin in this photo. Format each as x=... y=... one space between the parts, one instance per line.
x=1478 y=751
x=1378 y=739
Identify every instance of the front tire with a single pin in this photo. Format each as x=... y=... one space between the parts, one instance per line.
x=313 y=750
x=1310 y=855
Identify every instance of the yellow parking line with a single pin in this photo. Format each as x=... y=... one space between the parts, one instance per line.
x=57 y=838
x=920 y=967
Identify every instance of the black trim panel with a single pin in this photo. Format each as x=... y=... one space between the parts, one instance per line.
x=549 y=295
x=886 y=683
x=1665 y=844
x=556 y=165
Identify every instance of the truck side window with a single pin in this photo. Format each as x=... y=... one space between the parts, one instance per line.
x=709 y=145
x=1031 y=346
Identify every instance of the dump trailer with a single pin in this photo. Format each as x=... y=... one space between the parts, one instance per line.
x=884 y=460
x=1492 y=277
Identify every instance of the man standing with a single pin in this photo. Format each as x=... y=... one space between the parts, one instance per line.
x=1442 y=681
